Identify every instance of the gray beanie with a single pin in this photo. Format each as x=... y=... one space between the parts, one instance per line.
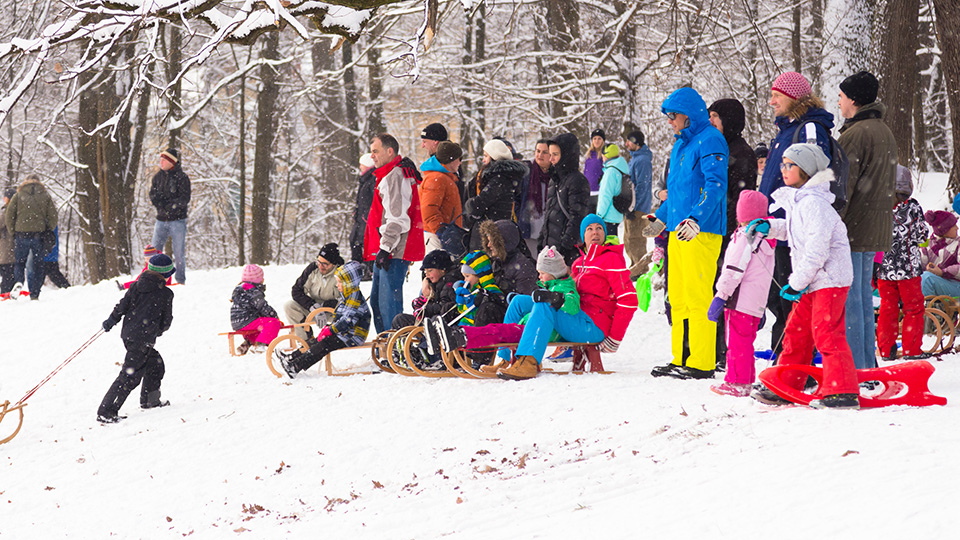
x=550 y=261
x=904 y=183
x=809 y=157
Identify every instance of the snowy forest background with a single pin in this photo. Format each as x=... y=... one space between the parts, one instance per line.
x=271 y=124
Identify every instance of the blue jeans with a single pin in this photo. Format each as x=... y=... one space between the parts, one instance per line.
x=24 y=245
x=177 y=232
x=544 y=319
x=861 y=326
x=387 y=301
x=934 y=285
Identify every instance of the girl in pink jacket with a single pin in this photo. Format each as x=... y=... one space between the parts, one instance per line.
x=742 y=289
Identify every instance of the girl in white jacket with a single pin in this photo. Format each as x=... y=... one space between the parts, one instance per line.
x=822 y=275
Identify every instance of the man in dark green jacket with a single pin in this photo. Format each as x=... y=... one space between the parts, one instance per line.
x=29 y=214
x=872 y=151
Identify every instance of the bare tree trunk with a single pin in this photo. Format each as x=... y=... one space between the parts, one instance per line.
x=263 y=153
x=350 y=102
x=816 y=36
x=242 y=205
x=795 y=40
x=895 y=61
x=563 y=34
x=88 y=182
x=375 y=122
x=948 y=33
x=174 y=65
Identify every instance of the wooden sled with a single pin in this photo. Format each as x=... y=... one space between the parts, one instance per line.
x=583 y=353
x=905 y=383
x=291 y=342
x=5 y=409
x=307 y=323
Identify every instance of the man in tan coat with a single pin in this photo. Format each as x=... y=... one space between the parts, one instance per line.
x=30 y=213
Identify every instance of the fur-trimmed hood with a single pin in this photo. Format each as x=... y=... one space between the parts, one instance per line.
x=803 y=105
x=500 y=239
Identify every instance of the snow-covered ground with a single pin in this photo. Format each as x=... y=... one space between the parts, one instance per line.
x=243 y=454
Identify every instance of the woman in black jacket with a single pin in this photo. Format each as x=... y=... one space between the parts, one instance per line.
x=491 y=193
x=568 y=199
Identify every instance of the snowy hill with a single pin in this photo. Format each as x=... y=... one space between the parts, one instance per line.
x=243 y=454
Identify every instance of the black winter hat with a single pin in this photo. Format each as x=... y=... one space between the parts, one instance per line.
x=331 y=252
x=598 y=133
x=439 y=259
x=761 y=151
x=10 y=192
x=434 y=132
x=861 y=87
x=172 y=154
x=636 y=137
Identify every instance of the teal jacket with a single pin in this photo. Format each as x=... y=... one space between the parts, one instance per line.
x=697 y=180
x=610 y=184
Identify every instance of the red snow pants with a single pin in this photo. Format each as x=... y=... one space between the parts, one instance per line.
x=891 y=294
x=817 y=320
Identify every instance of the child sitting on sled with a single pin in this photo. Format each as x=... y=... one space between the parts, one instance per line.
x=147 y=311
x=742 y=294
x=250 y=314
x=821 y=276
x=348 y=328
x=436 y=292
x=555 y=288
x=479 y=299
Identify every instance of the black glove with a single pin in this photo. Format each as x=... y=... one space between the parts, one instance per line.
x=555 y=299
x=108 y=324
x=383 y=259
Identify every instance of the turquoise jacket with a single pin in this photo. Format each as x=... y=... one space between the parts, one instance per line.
x=697 y=180
x=610 y=184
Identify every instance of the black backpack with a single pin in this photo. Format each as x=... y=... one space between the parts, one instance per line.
x=839 y=163
x=626 y=200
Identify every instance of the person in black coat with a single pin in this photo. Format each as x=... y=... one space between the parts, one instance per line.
x=729 y=117
x=365 y=187
x=568 y=199
x=491 y=194
x=147 y=311
x=170 y=195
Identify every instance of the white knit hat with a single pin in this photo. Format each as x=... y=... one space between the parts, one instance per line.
x=498 y=150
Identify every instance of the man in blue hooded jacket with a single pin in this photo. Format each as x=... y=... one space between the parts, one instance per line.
x=695 y=216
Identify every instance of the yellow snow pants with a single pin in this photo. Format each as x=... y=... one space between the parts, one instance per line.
x=691 y=269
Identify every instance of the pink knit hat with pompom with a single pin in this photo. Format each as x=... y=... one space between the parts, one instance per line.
x=792 y=84
x=252 y=274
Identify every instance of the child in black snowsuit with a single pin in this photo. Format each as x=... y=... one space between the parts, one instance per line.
x=147 y=311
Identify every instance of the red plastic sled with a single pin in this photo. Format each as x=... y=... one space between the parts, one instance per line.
x=902 y=384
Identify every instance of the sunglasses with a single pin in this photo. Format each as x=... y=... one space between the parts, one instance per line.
x=787 y=166
x=671 y=116
x=324 y=264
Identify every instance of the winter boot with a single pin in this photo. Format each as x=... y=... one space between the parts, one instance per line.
x=837 y=401
x=451 y=337
x=109 y=419
x=288 y=360
x=152 y=400
x=243 y=348
x=15 y=291
x=921 y=356
x=767 y=396
x=732 y=389
x=523 y=368
x=431 y=333
x=500 y=361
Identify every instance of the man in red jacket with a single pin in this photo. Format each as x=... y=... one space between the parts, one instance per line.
x=394 y=235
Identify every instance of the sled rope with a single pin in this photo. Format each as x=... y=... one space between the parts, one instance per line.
x=61 y=366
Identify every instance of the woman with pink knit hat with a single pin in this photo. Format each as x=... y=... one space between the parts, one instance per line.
x=794 y=107
x=250 y=313
x=742 y=294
